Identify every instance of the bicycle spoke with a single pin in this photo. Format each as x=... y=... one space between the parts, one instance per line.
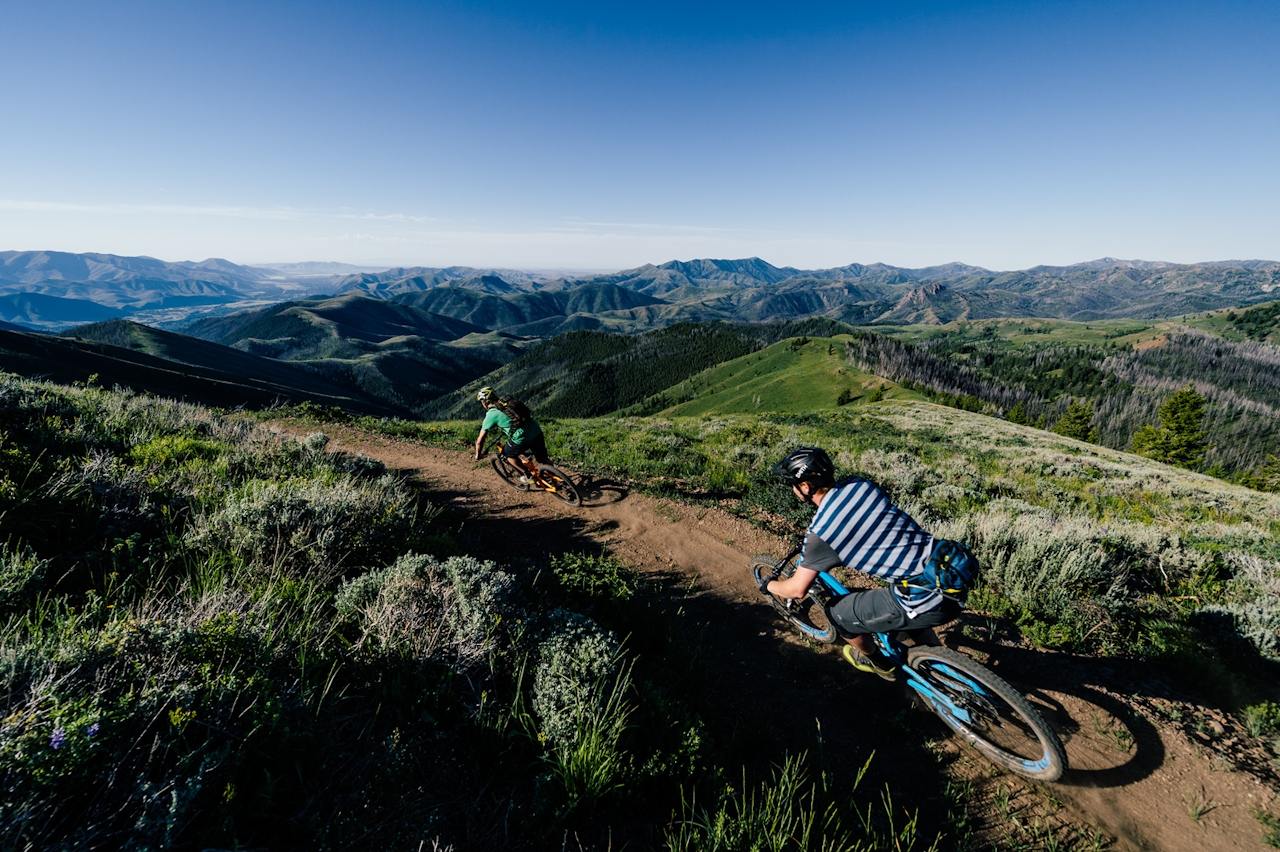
x=987 y=712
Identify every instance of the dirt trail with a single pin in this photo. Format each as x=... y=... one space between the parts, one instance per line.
x=1137 y=780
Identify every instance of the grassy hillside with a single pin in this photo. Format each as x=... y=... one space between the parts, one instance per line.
x=584 y=373
x=215 y=638
x=396 y=353
x=1084 y=548
x=299 y=329
x=802 y=374
x=148 y=360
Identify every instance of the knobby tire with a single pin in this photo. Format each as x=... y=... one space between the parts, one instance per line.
x=510 y=472
x=1003 y=725
x=807 y=614
x=556 y=481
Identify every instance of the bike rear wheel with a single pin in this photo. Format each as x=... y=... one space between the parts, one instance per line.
x=809 y=613
x=511 y=472
x=989 y=713
x=555 y=480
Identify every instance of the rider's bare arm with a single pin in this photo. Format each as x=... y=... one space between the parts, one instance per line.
x=794 y=586
x=480 y=442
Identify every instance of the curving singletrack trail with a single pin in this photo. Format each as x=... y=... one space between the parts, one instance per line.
x=1136 y=777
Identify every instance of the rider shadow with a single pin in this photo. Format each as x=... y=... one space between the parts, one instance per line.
x=598 y=491
x=1108 y=743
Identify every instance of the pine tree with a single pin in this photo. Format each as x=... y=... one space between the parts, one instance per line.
x=1180 y=440
x=1076 y=422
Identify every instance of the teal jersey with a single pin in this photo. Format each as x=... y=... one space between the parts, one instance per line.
x=496 y=417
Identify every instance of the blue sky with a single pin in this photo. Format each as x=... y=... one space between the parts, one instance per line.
x=603 y=136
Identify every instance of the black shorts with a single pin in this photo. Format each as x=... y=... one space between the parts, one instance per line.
x=878 y=611
x=535 y=446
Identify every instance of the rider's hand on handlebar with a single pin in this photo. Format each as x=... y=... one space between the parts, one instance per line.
x=764 y=583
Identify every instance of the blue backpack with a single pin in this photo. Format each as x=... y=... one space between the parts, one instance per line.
x=952 y=569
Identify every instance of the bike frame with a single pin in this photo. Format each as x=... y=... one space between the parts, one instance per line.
x=895 y=651
x=961 y=699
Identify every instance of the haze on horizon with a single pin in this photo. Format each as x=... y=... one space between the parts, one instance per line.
x=582 y=136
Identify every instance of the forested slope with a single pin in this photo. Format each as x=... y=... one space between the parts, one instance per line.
x=584 y=373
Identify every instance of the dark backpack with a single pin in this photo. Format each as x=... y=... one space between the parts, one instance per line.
x=514 y=409
x=952 y=569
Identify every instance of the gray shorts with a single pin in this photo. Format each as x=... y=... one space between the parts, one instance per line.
x=878 y=611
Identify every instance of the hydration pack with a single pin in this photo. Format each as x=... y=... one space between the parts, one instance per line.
x=514 y=409
x=952 y=569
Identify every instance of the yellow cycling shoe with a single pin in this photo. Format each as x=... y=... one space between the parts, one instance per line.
x=863 y=663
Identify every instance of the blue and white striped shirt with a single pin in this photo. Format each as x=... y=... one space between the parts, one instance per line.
x=858 y=527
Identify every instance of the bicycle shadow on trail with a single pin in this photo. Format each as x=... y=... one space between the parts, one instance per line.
x=599 y=491
x=773 y=694
x=1108 y=742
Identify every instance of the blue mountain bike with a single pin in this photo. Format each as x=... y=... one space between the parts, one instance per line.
x=975 y=703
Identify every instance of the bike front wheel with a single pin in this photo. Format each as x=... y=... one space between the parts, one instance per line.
x=555 y=480
x=987 y=712
x=511 y=472
x=807 y=614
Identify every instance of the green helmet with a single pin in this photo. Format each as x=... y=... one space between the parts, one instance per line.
x=485 y=394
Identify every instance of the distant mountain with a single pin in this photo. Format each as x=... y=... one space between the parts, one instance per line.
x=393 y=282
x=312 y=268
x=700 y=290
x=306 y=325
x=395 y=352
x=37 y=267
x=37 y=308
x=513 y=311
x=141 y=286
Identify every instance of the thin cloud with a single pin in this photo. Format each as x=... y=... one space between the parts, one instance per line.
x=230 y=212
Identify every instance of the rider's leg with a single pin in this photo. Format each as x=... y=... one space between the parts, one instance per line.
x=864 y=643
x=925 y=636
x=516 y=453
x=537 y=447
x=864 y=612
x=529 y=455
x=921 y=629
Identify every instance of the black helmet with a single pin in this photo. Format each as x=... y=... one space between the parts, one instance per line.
x=806 y=464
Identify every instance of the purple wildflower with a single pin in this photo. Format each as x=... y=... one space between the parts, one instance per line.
x=91 y=730
x=59 y=737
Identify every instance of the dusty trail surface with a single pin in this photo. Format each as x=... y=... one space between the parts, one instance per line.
x=1138 y=779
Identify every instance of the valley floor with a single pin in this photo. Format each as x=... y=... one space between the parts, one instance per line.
x=1144 y=774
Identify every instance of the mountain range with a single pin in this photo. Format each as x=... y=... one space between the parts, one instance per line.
x=746 y=290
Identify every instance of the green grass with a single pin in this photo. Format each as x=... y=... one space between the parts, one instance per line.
x=786 y=376
x=212 y=636
x=1084 y=548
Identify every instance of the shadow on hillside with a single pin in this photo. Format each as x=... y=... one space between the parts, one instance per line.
x=771 y=694
x=764 y=695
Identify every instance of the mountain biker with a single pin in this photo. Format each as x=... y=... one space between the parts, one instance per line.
x=526 y=439
x=857 y=526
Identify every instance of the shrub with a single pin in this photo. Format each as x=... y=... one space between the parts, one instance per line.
x=1067 y=579
x=425 y=609
x=1257 y=623
x=21 y=574
x=308 y=526
x=575 y=658
x=1262 y=719
x=594 y=576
